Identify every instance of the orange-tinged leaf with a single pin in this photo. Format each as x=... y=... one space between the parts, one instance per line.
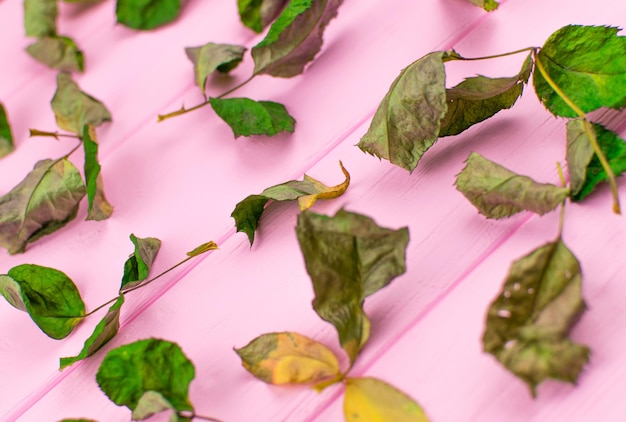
x=323 y=191
x=288 y=358
x=372 y=400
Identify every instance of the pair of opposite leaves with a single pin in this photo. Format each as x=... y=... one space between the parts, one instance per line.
x=293 y=40
x=49 y=196
x=587 y=63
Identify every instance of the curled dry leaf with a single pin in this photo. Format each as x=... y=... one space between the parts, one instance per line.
x=213 y=57
x=497 y=192
x=529 y=322
x=289 y=358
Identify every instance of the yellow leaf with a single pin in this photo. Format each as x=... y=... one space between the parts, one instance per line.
x=372 y=400
x=323 y=191
x=288 y=358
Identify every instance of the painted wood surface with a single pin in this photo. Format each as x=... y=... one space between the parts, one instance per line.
x=179 y=181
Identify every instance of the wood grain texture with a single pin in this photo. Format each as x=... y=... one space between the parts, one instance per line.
x=180 y=179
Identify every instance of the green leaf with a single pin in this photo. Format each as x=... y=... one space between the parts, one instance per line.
x=497 y=192
x=6 y=137
x=106 y=329
x=372 y=400
x=583 y=165
x=129 y=372
x=257 y=14
x=248 y=117
x=147 y=14
x=289 y=358
x=49 y=296
x=529 y=322
x=294 y=38
x=408 y=119
x=40 y=17
x=99 y=208
x=488 y=5
x=74 y=109
x=137 y=266
x=248 y=212
x=57 y=52
x=348 y=258
x=42 y=203
x=478 y=98
x=588 y=63
x=213 y=57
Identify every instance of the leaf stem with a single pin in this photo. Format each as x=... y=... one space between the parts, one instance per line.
x=184 y=110
x=495 y=56
x=591 y=133
x=55 y=135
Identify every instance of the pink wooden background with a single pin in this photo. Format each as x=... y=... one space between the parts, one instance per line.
x=179 y=181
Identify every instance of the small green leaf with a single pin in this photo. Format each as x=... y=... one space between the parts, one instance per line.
x=146 y=14
x=40 y=18
x=42 y=203
x=289 y=358
x=106 y=329
x=488 y=5
x=99 y=208
x=257 y=14
x=583 y=165
x=348 y=258
x=497 y=192
x=372 y=400
x=137 y=266
x=294 y=38
x=6 y=137
x=408 y=119
x=248 y=212
x=128 y=372
x=478 y=98
x=529 y=322
x=213 y=57
x=248 y=117
x=49 y=296
x=74 y=109
x=57 y=52
x=205 y=247
x=588 y=63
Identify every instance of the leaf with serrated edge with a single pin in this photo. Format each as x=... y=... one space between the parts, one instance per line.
x=248 y=117
x=137 y=266
x=57 y=52
x=6 y=137
x=583 y=165
x=348 y=258
x=288 y=358
x=74 y=109
x=42 y=203
x=407 y=121
x=257 y=14
x=294 y=38
x=588 y=63
x=40 y=17
x=479 y=98
x=49 y=296
x=129 y=371
x=497 y=192
x=528 y=323
x=99 y=208
x=488 y=5
x=146 y=14
x=372 y=400
x=106 y=329
x=213 y=57
x=248 y=212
